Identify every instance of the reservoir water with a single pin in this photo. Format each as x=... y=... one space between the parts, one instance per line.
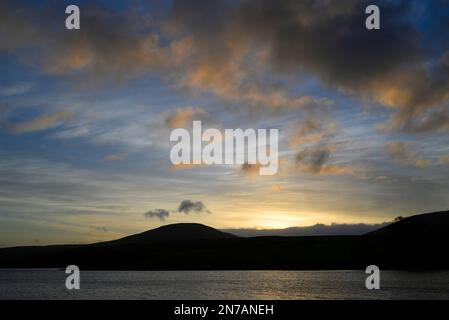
x=168 y=285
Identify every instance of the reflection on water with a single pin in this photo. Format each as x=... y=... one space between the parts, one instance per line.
x=50 y=284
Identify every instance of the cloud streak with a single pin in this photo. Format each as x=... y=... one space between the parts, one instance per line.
x=116 y=157
x=40 y=123
x=401 y=152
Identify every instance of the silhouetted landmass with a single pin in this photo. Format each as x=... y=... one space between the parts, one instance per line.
x=319 y=229
x=172 y=233
x=418 y=242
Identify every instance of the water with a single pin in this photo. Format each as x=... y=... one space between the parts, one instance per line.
x=168 y=285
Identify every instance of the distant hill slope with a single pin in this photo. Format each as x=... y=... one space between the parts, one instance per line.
x=418 y=242
x=334 y=229
x=422 y=225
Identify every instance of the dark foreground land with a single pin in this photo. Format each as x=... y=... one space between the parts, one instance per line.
x=415 y=243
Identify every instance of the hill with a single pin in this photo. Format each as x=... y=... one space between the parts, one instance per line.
x=173 y=233
x=418 y=241
x=434 y=224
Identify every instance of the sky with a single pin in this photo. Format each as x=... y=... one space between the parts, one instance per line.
x=86 y=115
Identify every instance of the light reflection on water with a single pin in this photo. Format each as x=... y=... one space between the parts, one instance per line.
x=50 y=284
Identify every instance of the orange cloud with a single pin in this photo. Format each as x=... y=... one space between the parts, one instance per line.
x=183 y=117
x=186 y=166
x=116 y=157
x=250 y=170
x=40 y=123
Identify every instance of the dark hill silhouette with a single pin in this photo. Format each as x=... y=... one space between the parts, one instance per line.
x=418 y=242
x=173 y=233
x=422 y=225
x=319 y=229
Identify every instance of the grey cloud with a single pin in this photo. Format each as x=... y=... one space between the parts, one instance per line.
x=108 y=44
x=161 y=214
x=315 y=160
x=436 y=120
x=188 y=206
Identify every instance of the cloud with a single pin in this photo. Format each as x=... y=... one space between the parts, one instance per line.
x=311 y=130
x=97 y=228
x=315 y=161
x=40 y=123
x=444 y=160
x=227 y=59
x=401 y=152
x=188 y=206
x=96 y=51
x=133 y=47
x=16 y=89
x=249 y=51
x=186 y=166
x=183 y=117
x=250 y=170
x=325 y=39
x=160 y=214
x=116 y=157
